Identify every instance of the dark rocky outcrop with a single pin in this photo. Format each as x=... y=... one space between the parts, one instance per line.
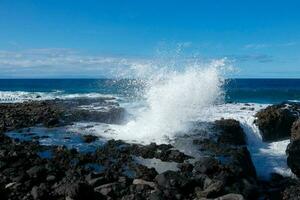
x=53 y=113
x=295 y=132
x=275 y=122
x=230 y=132
x=223 y=171
x=293 y=159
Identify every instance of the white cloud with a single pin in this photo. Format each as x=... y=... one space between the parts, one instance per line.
x=61 y=62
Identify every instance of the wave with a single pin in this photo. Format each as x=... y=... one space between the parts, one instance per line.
x=21 y=96
x=172 y=99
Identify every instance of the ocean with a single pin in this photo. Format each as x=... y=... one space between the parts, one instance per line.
x=236 y=90
x=163 y=110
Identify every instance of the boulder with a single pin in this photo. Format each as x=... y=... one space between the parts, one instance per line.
x=172 y=180
x=206 y=165
x=211 y=190
x=275 y=122
x=230 y=132
x=107 y=189
x=293 y=159
x=295 y=132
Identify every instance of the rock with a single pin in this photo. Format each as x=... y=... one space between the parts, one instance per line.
x=96 y=181
x=10 y=185
x=291 y=193
x=51 y=122
x=51 y=178
x=172 y=180
x=185 y=167
x=206 y=165
x=293 y=159
x=36 y=172
x=172 y=155
x=89 y=138
x=78 y=191
x=231 y=197
x=275 y=122
x=107 y=189
x=295 y=132
x=39 y=192
x=242 y=164
x=143 y=182
x=230 y=132
x=213 y=190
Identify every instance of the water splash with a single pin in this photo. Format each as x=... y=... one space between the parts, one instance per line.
x=173 y=99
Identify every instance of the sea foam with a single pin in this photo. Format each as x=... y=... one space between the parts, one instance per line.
x=174 y=98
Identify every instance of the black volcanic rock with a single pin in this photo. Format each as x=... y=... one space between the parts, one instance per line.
x=275 y=122
x=295 y=132
x=293 y=159
x=230 y=132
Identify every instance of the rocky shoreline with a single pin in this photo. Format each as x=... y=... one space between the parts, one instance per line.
x=224 y=171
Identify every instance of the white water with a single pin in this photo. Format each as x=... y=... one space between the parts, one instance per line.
x=21 y=96
x=173 y=99
x=267 y=157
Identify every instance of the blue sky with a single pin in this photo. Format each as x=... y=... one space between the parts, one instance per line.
x=93 y=38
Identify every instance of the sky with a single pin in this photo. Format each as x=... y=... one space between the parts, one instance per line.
x=97 y=38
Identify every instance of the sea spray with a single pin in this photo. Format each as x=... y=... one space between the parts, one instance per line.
x=173 y=99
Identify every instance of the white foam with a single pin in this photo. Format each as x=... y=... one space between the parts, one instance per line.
x=21 y=96
x=172 y=99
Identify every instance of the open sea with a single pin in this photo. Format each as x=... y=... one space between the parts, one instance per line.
x=236 y=90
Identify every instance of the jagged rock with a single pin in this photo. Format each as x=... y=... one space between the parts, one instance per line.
x=291 y=193
x=206 y=165
x=295 y=132
x=143 y=182
x=275 y=122
x=107 y=189
x=211 y=190
x=36 y=172
x=230 y=132
x=293 y=159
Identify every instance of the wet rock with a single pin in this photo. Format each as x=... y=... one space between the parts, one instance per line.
x=51 y=122
x=212 y=190
x=143 y=172
x=50 y=178
x=230 y=132
x=291 y=193
x=36 y=172
x=112 y=115
x=89 y=138
x=185 y=167
x=231 y=197
x=206 y=165
x=76 y=191
x=172 y=180
x=295 y=131
x=293 y=159
x=275 y=122
x=107 y=189
x=143 y=182
x=173 y=155
x=40 y=192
